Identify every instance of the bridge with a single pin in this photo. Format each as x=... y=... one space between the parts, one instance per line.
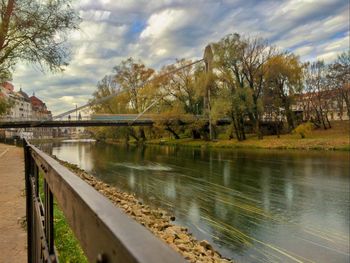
x=78 y=123
x=121 y=120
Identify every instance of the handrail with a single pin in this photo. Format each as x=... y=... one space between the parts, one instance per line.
x=105 y=232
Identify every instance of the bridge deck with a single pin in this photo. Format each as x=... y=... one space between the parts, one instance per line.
x=13 y=239
x=80 y=123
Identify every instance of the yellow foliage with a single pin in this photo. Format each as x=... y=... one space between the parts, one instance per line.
x=304 y=129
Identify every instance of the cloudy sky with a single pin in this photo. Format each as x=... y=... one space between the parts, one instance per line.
x=159 y=31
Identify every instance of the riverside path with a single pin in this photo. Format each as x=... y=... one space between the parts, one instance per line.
x=13 y=238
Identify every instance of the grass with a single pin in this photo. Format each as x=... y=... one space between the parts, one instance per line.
x=336 y=138
x=67 y=245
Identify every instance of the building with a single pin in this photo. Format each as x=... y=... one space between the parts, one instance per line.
x=21 y=106
x=40 y=111
x=24 y=108
x=331 y=102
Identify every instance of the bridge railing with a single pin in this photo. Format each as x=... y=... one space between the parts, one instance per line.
x=104 y=232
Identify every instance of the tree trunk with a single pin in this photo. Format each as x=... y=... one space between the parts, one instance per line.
x=127 y=138
x=195 y=134
x=132 y=134
x=347 y=102
x=4 y=26
x=241 y=122
x=142 y=134
x=236 y=128
x=329 y=124
x=321 y=114
x=176 y=136
x=289 y=113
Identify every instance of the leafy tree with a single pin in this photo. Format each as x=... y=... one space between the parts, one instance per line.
x=284 y=77
x=170 y=120
x=180 y=91
x=35 y=31
x=133 y=77
x=234 y=104
x=228 y=63
x=4 y=106
x=106 y=87
x=242 y=64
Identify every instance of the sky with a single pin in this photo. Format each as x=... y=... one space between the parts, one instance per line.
x=160 y=31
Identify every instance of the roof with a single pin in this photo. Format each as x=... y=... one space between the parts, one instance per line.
x=36 y=101
x=25 y=95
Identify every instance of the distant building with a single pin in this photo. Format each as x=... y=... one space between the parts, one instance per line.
x=331 y=102
x=21 y=107
x=24 y=108
x=40 y=111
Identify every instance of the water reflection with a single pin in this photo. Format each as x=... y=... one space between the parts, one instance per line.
x=254 y=206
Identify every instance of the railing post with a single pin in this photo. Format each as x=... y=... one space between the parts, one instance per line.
x=29 y=201
x=49 y=218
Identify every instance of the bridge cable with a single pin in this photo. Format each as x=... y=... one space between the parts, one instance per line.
x=98 y=101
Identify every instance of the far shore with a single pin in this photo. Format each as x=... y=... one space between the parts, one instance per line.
x=336 y=138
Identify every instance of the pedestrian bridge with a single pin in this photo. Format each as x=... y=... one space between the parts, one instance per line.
x=94 y=120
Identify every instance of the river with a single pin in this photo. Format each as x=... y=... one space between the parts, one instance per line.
x=252 y=205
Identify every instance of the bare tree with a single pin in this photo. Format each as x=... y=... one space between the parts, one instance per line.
x=339 y=78
x=318 y=93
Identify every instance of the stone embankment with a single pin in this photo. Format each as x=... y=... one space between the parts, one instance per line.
x=156 y=220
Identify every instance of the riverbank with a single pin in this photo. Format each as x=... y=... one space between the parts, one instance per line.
x=336 y=138
x=156 y=220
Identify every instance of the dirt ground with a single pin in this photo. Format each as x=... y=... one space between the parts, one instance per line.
x=13 y=238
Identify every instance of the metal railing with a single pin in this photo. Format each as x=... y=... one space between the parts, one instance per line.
x=105 y=233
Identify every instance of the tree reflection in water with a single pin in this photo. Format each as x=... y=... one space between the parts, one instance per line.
x=254 y=206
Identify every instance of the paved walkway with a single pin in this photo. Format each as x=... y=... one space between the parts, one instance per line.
x=13 y=238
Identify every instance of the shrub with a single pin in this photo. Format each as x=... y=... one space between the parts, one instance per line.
x=303 y=129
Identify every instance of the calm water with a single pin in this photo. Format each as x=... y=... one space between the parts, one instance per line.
x=253 y=206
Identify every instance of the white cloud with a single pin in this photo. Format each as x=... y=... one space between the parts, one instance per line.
x=162 y=22
x=158 y=32
x=302 y=51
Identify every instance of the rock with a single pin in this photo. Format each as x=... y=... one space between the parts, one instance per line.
x=169 y=240
x=200 y=249
x=182 y=247
x=170 y=231
x=145 y=211
x=206 y=245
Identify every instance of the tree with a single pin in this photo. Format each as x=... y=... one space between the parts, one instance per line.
x=170 y=120
x=106 y=87
x=284 y=76
x=4 y=105
x=181 y=91
x=133 y=77
x=318 y=93
x=339 y=79
x=234 y=104
x=242 y=64
x=35 y=31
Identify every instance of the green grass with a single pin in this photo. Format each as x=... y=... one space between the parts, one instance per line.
x=67 y=245
x=336 y=138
